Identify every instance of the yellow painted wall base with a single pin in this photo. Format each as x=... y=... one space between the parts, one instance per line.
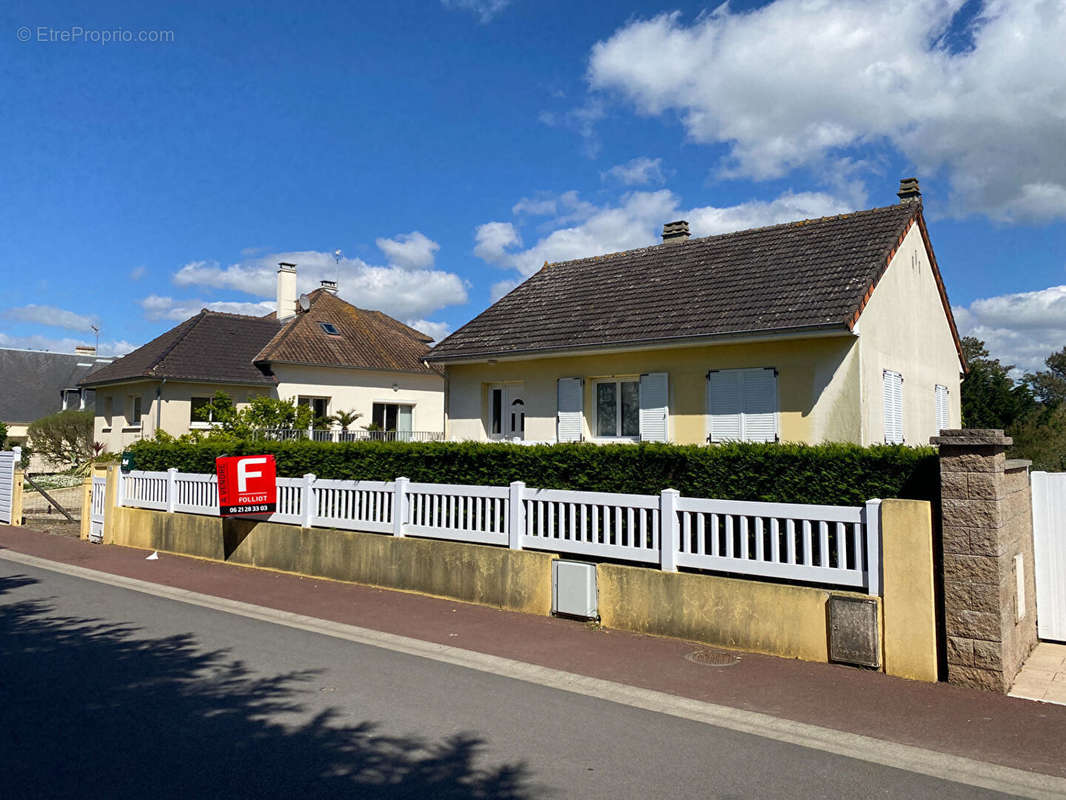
x=769 y=618
x=516 y=580
x=909 y=610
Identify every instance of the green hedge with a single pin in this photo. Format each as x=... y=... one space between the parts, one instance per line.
x=832 y=474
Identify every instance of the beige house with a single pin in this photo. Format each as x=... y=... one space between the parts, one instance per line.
x=834 y=329
x=323 y=352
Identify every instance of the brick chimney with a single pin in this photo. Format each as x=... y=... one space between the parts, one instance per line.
x=329 y=286
x=286 y=291
x=85 y=350
x=908 y=191
x=675 y=232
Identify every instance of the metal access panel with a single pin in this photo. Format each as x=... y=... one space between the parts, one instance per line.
x=854 y=636
x=574 y=589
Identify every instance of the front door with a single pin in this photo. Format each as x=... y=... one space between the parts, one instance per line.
x=507 y=412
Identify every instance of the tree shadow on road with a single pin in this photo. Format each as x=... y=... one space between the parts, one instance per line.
x=90 y=709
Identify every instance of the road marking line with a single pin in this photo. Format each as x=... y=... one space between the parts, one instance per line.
x=957 y=769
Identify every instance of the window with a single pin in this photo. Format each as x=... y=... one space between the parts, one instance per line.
x=942 y=415
x=319 y=406
x=71 y=399
x=617 y=409
x=88 y=398
x=133 y=410
x=507 y=411
x=109 y=410
x=200 y=410
x=330 y=328
x=742 y=405
x=392 y=417
x=892 y=399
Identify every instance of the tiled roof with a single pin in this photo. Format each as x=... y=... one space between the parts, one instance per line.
x=32 y=381
x=801 y=275
x=365 y=339
x=212 y=346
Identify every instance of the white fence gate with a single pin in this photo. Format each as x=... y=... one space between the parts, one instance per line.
x=9 y=460
x=97 y=509
x=1049 y=551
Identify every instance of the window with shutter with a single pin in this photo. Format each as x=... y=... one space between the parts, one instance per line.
x=892 y=395
x=654 y=406
x=942 y=416
x=569 y=416
x=742 y=405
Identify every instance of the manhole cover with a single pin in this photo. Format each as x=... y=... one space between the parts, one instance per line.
x=712 y=658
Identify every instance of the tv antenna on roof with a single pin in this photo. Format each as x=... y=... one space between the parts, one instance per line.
x=96 y=330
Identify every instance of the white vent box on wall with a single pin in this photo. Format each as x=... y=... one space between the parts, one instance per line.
x=574 y=589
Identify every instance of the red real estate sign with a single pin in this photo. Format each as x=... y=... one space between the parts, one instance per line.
x=246 y=485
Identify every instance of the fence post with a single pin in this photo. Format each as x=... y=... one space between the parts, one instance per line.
x=307 y=501
x=172 y=489
x=399 y=507
x=120 y=489
x=872 y=518
x=516 y=515
x=669 y=532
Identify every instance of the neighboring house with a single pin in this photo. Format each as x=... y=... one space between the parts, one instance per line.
x=834 y=329
x=36 y=383
x=323 y=352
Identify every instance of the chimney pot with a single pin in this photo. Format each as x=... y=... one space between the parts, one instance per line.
x=675 y=232
x=909 y=191
x=329 y=286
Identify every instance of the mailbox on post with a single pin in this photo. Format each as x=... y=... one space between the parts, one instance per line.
x=246 y=485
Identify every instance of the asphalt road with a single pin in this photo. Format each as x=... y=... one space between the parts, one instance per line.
x=107 y=692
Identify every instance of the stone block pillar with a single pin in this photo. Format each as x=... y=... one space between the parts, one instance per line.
x=988 y=574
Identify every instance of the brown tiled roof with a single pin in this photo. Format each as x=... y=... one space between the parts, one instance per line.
x=212 y=346
x=801 y=275
x=367 y=340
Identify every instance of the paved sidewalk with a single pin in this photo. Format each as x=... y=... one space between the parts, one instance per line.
x=977 y=725
x=1043 y=676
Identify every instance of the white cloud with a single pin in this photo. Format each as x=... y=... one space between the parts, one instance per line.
x=438 y=330
x=116 y=347
x=409 y=250
x=484 y=10
x=161 y=307
x=50 y=315
x=1021 y=329
x=582 y=119
x=639 y=171
x=397 y=291
x=137 y=273
x=492 y=240
x=803 y=82
x=636 y=221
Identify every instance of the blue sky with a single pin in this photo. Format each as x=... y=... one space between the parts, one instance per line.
x=447 y=149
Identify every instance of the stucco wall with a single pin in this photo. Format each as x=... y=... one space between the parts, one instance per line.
x=904 y=329
x=358 y=390
x=817 y=387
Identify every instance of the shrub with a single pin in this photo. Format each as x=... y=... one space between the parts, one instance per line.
x=64 y=438
x=834 y=474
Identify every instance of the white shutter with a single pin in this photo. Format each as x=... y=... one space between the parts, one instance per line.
x=759 y=405
x=654 y=403
x=568 y=420
x=892 y=397
x=724 y=405
x=942 y=417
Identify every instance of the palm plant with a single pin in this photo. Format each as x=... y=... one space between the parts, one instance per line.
x=345 y=418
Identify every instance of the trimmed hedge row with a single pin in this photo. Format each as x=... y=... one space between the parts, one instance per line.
x=831 y=474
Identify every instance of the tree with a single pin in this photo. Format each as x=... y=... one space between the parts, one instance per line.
x=3 y=435
x=64 y=438
x=261 y=413
x=990 y=397
x=1049 y=386
x=345 y=418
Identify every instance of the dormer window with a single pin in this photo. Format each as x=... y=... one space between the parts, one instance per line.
x=330 y=328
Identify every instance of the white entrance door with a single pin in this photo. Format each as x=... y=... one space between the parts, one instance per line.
x=507 y=412
x=1049 y=552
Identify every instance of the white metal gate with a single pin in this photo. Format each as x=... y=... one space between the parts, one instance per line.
x=97 y=509
x=1049 y=550
x=9 y=459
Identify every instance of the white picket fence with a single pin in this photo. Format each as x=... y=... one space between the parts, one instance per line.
x=9 y=461
x=834 y=545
